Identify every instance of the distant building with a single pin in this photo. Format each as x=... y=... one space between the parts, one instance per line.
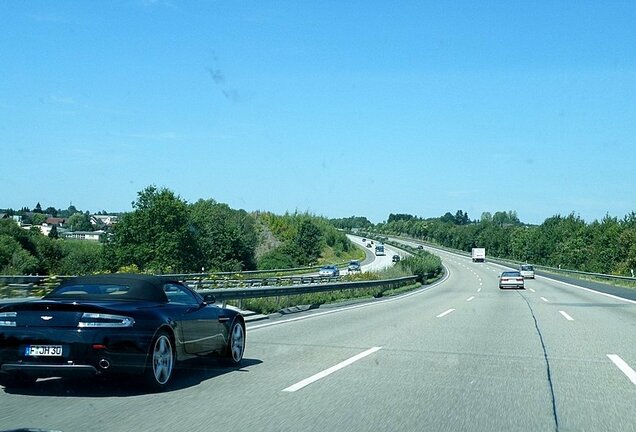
x=103 y=220
x=82 y=235
x=56 y=221
x=45 y=228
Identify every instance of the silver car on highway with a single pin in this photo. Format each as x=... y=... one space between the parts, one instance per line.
x=329 y=271
x=527 y=271
x=511 y=279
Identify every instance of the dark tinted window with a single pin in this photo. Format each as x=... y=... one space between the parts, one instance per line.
x=98 y=292
x=179 y=295
x=511 y=274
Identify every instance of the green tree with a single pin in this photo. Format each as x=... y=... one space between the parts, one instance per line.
x=226 y=239
x=53 y=233
x=156 y=237
x=51 y=211
x=80 y=257
x=308 y=242
x=38 y=218
x=79 y=222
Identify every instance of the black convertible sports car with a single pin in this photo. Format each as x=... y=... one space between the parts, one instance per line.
x=115 y=323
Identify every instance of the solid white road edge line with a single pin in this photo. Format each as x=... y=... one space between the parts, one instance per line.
x=470 y=298
x=624 y=367
x=545 y=299
x=331 y=370
x=590 y=290
x=444 y=313
x=566 y=316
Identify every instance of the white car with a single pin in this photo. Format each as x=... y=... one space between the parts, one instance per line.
x=511 y=279
x=527 y=271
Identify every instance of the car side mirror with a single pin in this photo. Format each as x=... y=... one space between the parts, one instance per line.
x=209 y=298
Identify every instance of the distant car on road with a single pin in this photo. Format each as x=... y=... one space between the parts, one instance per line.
x=329 y=271
x=511 y=279
x=368 y=245
x=363 y=240
x=527 y=271
x=420 y=247
x=396 y=258
x=354 y=266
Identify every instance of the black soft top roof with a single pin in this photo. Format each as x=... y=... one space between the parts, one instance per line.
x=141 y=287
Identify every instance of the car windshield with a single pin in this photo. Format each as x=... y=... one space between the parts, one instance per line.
x=254 y=153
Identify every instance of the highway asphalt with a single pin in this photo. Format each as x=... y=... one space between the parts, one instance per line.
x=461 y=355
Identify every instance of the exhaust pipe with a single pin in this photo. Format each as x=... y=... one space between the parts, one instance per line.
x=104 y=364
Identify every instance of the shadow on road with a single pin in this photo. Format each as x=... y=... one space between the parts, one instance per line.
x=189 y=374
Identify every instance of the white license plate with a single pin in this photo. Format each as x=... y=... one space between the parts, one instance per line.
x=44 y=350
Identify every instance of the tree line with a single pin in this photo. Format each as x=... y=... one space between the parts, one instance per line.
x=165 y=234
x=605 y=246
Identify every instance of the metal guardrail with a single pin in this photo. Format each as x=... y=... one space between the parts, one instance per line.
x=252 y=272
x=224 y=294
x=210 y=280
x=261 y=292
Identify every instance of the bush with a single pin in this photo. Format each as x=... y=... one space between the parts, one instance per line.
x=276 y=259
x=423 y=265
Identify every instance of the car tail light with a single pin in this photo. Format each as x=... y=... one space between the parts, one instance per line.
x=104 y=320
x=8 y=319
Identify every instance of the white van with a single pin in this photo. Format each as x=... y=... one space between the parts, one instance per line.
x=527 y=271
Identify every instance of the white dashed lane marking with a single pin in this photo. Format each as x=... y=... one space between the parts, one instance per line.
x=624 y=367
x=443 y=314
x=299 y=385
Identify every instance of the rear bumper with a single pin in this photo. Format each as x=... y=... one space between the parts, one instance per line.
x=519 y=286
x=89 y=352
x=43 y=370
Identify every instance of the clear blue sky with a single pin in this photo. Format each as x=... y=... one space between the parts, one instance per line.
x=338 y=108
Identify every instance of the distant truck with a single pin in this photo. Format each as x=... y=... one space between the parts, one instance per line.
x=479 y=254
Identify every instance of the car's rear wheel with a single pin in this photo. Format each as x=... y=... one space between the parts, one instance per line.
x=161 y=362
x=235 y=344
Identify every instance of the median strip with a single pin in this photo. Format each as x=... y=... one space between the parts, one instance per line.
x=445 y=313
x=304 y=383
x=624 y=367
